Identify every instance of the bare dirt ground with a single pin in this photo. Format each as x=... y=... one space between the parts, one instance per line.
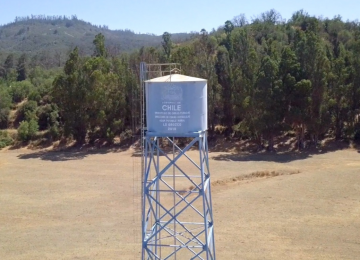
x=86 y=205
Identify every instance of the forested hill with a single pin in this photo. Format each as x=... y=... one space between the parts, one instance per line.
x=59 y=34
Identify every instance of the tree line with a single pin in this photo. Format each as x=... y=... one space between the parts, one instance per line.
x=54 y=19
x=271 y=76
x=265 y=77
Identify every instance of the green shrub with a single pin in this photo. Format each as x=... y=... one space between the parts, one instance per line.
x=54 y=129
x=47 y=116
x=5 y=103
x=27 y=111
x=23 y=131
x=54 y=132
x=5 y=139
x=114 y=129
x=33 y=128
x=35 y=96
x=27 y=130
x=5 y=98
x=4 y=118
x=20 y=90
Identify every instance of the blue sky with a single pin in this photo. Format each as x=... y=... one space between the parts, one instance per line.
x=157 y=16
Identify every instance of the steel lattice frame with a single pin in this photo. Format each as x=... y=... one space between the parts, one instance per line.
x=184 y=226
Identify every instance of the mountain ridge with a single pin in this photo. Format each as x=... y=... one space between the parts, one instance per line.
x=60 y=34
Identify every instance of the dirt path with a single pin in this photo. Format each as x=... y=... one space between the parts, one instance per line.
x=76 y=205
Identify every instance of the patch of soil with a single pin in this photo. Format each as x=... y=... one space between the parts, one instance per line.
x=252 y=176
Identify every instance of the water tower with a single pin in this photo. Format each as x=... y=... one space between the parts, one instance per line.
x=177 y=217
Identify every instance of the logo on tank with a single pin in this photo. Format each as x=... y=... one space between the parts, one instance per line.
x=171 y=93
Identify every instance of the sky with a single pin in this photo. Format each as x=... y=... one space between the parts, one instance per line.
x=158 y=16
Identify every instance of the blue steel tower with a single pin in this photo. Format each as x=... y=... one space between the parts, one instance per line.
x=177 y=216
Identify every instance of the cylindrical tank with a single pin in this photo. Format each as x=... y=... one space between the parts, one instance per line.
x=176 y=104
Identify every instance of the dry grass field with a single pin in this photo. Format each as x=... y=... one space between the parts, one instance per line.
x=86 y=205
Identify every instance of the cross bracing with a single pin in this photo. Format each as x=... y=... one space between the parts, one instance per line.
x=177 y=207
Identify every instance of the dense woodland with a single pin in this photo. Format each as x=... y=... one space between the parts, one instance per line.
x=266 y=77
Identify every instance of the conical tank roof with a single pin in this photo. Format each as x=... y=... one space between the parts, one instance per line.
x=175 y=78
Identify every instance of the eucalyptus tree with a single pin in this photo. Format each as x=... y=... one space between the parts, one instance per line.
x=167 y=44
x=354 y=92
x=228 y=28
x=99 y=44
x=245 y=69
x=224 y=75
x=268 y=94
x=71 y=94
x=297 y=93
x=315 y=67
x=239 y=20
x=338 y=90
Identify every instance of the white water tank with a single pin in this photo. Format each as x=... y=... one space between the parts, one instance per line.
x=176 y=105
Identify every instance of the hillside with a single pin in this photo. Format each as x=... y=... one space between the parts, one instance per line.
x=59 y=34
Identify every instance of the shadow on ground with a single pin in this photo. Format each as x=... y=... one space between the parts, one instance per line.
x=230 y=151
x=73 y=153
x=55 y=155
x=283 y=154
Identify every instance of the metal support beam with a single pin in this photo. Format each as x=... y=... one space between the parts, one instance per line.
x=180 y=227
